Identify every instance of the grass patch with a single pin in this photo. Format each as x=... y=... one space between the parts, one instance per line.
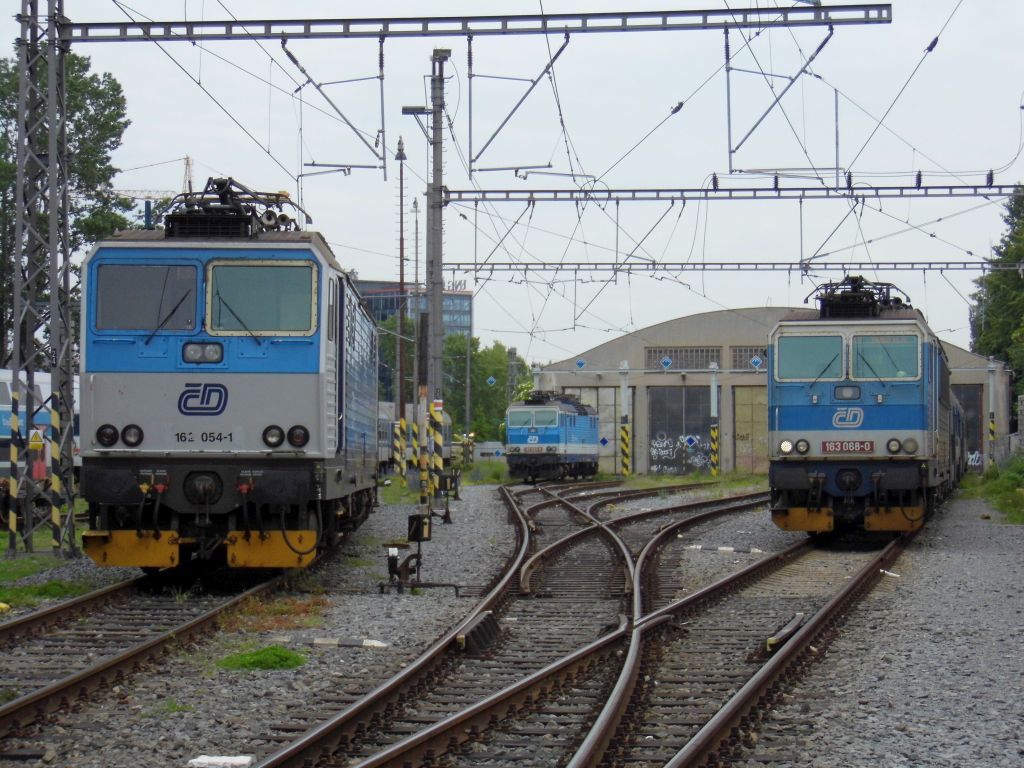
x=8 y=694
x=31 y=595
x=283 y=613
x=1004 y=489
x=728 y=481
x=271 y=657
x=486 y=472
x=360 y=562
x=972 y=486
x=168 y=707
x=26 y=565
x=40 y=559
x=396 y=493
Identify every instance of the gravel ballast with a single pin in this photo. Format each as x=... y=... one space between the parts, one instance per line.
x=927 y=671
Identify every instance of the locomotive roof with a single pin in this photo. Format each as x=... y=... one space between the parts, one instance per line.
x=897 y=313
x=564 y=402
x=157 y=236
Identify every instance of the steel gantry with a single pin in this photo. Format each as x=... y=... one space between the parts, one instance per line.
x=40 y=268
x=854 y=193
x=40 y=263
x=801 y=267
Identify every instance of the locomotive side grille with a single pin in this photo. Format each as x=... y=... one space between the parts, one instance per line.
x=850 y=306
x=208 y=225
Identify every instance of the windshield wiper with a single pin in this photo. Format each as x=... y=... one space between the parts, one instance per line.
x=827 y=366
x=240 y=321
x=869 y=365
x=167 y=317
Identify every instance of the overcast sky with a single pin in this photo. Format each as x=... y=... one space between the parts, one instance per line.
x=953 y=114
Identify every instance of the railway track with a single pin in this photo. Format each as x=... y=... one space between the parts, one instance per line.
x=58 y=655
x=587 y=651
x=516 y=648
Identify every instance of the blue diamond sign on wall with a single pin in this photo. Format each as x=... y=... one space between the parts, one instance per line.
x=666 y=362
x=604 y=441
x=580 y=364
x=756 y=361
x=497 y=452
x=491 y=381
x=691 y=440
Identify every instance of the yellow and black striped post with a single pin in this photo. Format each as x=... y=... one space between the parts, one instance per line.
x=415 y=441
x=401 y=449
x=991 y=439
x=714 y=450
x=624 y=450
x=56 y=486
x=396 y=447
x=420 y=446
x=12 y=487
x=437 y=435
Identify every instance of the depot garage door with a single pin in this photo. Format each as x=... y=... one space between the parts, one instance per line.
x=750 y=415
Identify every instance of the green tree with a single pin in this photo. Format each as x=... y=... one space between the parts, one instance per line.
x=96 y=121
x=488 y=401
x=997 y=317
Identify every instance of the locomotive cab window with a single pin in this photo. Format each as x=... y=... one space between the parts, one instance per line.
x=885 y=356
x=145 y=297
x=809 y=357
x=520 y=418
x=545 y=417
x=261 y=298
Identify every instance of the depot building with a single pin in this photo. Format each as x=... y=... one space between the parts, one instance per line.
x=662 y=376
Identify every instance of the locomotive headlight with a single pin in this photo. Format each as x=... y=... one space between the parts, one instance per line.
x=786 y=447
x=132 y=435
x=106 y=435
x=848 y=392
x=802 y=446
x=910 y=445
x=273 y=436
x=893 y=446
x=298 y=436
x=207 y=352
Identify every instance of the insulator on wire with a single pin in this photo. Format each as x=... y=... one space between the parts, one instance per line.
x=990 y=178
x=714 y=181
x=775 y=184
x=917 y=182
x=849 y=179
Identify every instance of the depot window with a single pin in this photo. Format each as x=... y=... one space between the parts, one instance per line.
x=261 y=298
x=809 y=357
x=885 y=356
x=151 y=297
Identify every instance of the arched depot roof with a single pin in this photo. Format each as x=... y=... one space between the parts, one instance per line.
x=724 y=328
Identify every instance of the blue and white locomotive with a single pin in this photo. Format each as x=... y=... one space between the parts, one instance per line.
x=228 y=389
x=551 y=436
x=864 y=430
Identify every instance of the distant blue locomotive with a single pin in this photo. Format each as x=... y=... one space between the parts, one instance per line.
x=228 y=389
x=863 y=428
x=551 y=436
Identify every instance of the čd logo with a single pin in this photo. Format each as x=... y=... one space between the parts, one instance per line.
x=848 y=418
x=203 y=400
